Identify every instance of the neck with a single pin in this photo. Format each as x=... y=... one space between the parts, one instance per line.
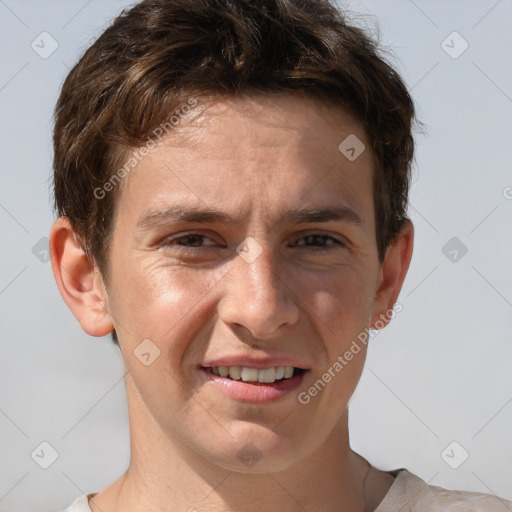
x=166 y=475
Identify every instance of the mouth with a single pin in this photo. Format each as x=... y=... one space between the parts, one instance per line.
x=255 y=376
x=255 y=385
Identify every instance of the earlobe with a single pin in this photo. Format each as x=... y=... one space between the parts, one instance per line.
x=392 y=275
x=79 y=280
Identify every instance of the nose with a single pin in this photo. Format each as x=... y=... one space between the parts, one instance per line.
x=256 y=298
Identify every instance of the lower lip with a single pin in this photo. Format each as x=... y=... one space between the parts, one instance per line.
x=255 y=391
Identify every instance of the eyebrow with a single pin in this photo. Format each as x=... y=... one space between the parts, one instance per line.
x=207 y=215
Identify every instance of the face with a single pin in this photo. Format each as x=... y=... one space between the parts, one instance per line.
x=280 y=269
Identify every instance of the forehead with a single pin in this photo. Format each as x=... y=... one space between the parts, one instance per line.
x=270 y=151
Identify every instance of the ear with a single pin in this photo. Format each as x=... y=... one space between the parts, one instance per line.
x=79 y=280
x=392 y=275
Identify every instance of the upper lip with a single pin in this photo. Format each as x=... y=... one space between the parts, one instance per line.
x=255 y=362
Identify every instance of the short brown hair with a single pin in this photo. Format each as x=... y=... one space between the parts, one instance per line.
x=160 y=53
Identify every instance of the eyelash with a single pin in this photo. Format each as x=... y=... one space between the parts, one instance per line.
x=336 y=242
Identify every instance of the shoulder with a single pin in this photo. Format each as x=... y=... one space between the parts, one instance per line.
x=81 y=504
x=410 y=493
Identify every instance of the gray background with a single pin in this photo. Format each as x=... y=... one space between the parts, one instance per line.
x=439 y=373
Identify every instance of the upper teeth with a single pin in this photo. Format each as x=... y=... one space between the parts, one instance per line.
x=254 y=374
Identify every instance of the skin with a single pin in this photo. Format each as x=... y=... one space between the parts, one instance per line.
x=301 y=297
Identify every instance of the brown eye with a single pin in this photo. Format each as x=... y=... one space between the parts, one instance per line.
x=320 y=241
x=188 y=241
x=193 y=240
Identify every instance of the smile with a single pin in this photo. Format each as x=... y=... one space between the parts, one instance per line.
x=263 y=375
x=254 y=385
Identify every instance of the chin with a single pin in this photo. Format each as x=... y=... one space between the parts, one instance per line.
x=259 y=453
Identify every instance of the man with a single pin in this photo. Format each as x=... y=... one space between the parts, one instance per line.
x=231 y=180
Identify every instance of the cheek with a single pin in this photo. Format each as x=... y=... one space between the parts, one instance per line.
x=341 y=304
x=341 y=299
x=342 y=308
x=161 y=302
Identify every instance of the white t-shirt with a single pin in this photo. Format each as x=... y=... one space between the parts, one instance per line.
x=409 y=493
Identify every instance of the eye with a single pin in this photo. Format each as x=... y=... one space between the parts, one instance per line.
x=187 y=241
x=311 y=239
x=193 y=241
